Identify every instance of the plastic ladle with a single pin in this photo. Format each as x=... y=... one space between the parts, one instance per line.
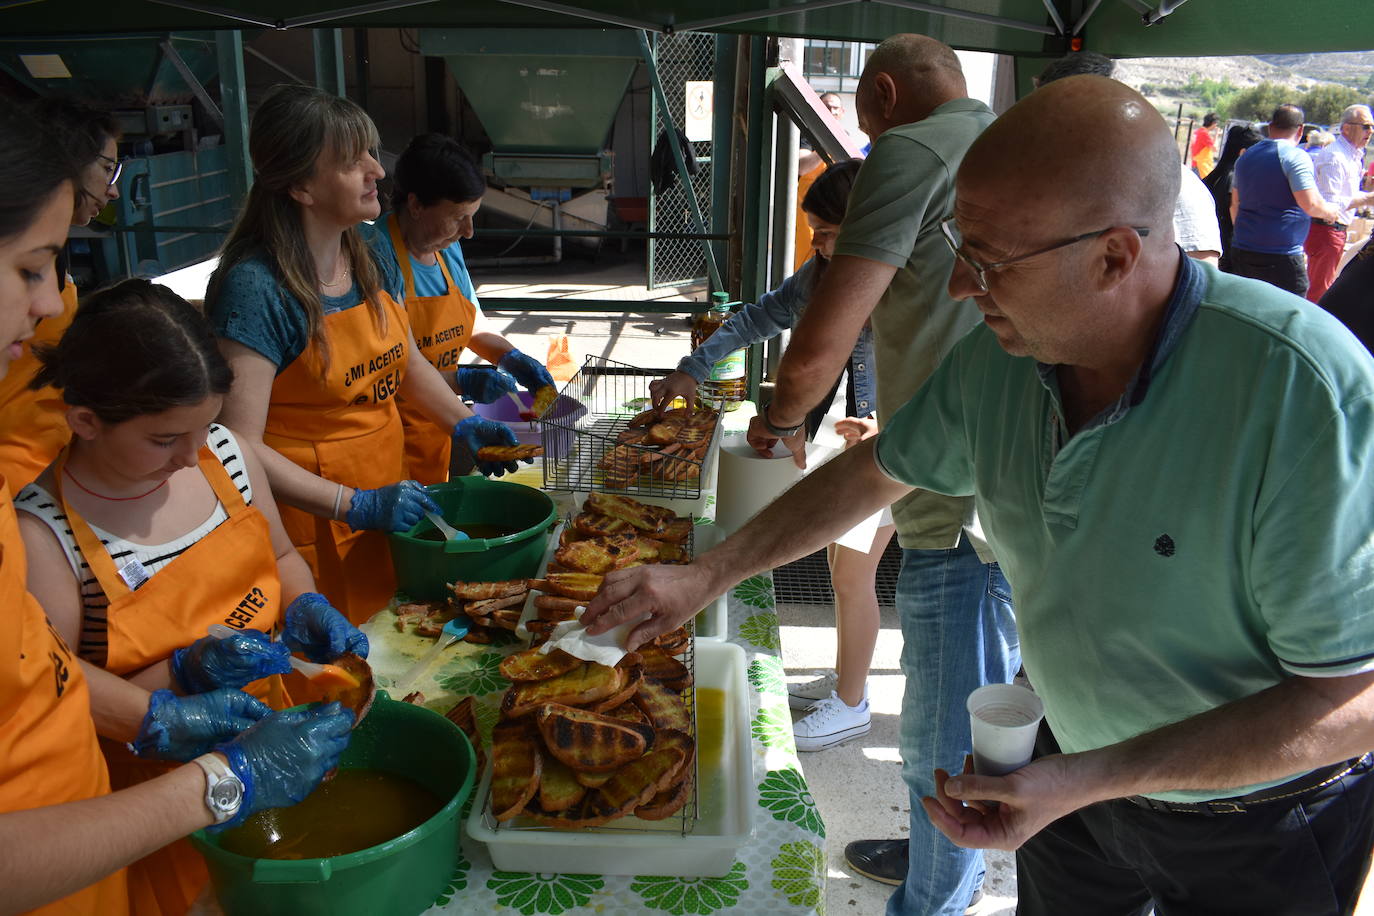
x=449 y=532
x=453 y=631
x=522 y=411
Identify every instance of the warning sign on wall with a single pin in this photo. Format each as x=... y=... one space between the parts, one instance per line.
x=698 y=108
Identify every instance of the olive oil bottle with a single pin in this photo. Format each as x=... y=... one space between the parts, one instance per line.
x=726 y=385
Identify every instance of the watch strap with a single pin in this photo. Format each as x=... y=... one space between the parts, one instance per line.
x=217 y=772
x=782 y=432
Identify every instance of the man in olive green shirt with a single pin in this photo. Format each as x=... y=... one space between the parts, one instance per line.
x=892 y=267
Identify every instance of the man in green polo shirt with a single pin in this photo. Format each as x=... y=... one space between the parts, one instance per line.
x=1176 y=467
x=891 y=268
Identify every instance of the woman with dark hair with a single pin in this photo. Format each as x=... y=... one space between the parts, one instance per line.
x=128 y=530
x=1238 y=139
x=64 y=838
x=438 y=189
x=33 y=425
x=839 y=700
x=312 y=324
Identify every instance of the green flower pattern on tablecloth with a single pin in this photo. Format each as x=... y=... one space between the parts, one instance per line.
x=796 y=871
x=785 y=793
x=761 y=630
x=773 y=727
x=756 y=591
x=696 y=896
x=475 y=676
x=542 y=893
x=457 y=883
x=702 y=520
x=766 y=675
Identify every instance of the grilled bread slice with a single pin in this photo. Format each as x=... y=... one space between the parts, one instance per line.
x=668 y=802
x=556 y=607
x=629 y=712
x=479 y=591
x=676 y=531
x=664 y=707
x=515 y=768
x=587 y=683
x=533 y=665
x=671 y=737
x=582 y=586
x=593 y=780
x=464 y=715
x=663 y=433
x=649 y=519
x=636 y=783
x=487 y=605
x=674 y=642
x=601 y=525
x=509 y=452
x=590 y=742
x=663 y=667
x=558 y=790
x=634 y=676
x=570 y=534
x=544 y=397
x=647 y=418
x=598 y=555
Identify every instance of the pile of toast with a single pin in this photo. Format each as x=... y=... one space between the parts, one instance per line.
x=611 y=532
x=580 y=744
x=667 y=447
x=490 y=606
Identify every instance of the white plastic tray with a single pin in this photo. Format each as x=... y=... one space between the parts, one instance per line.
x=726 y=800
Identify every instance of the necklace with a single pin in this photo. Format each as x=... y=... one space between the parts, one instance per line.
x=339 y=275
x=114 y=499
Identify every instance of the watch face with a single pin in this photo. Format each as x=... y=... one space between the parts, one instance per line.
x=227 y=794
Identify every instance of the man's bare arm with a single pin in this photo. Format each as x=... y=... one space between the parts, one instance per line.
x=1315 y=206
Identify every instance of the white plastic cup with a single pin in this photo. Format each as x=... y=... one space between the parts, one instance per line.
x=1004 y=719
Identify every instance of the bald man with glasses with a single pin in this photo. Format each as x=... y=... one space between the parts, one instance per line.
x=1338 y=167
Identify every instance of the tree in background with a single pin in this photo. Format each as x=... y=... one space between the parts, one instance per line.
x=1324 y=104
x=1258 y=102
x=1321 y=105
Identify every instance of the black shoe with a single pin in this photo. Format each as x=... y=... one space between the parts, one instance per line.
x=880 y=860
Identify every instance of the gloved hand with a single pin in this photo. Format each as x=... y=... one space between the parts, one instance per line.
x=529 y=372
x=282 y=758
x=319 y=632
x=484 y=384
x=476 y=432
x=210 y=663
x=183 y=728
x=394 y=507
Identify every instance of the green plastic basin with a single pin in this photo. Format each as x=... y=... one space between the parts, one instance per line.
x=425 y=567
x=401 y=876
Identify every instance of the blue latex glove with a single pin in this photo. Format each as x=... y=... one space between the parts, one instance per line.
x=484 y=384
x=210 y=663
x=183 y=728
x=529 y=372
x=395 y=507
x=282 y=758
x=319 y=632
x=476 y=432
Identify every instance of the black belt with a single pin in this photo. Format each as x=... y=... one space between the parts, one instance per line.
x=1339 y=227
x=1239 y=804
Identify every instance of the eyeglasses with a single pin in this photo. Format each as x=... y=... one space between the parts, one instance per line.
x=955 y=240
x=115 y=168
x=1360 y=125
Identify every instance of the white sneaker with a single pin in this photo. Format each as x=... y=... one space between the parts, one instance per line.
x=831 y=723
x=807 y=693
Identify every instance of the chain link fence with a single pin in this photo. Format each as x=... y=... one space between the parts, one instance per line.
x=681 y=56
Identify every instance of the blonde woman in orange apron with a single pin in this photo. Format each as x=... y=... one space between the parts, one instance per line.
x=438 y=189
x=313 y=327
x=153 y=524
x=33 y=422
x=64 y=839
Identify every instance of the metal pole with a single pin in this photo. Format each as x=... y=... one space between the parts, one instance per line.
x=972 y=17
x=233 y=99
x=169 y=51
x=754 y=228
x=787 y=140
x=361 y=80
x=670 y=128
x=706 y=25
x=722 y=149
x=329 y=60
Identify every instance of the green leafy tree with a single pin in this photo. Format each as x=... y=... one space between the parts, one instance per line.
x=1258 y=102
x=1323 y=105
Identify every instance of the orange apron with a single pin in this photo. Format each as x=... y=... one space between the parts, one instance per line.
x=802 y=234
x=345 y=428
x=172 y=610
x=442 y=326
x=33 y=424
x=48 y=750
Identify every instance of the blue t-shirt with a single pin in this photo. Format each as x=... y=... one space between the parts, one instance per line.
x=429 y=279
x=255 y=309
x=1269 y=220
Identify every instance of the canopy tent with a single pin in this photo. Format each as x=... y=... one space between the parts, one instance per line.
x=1120 y=28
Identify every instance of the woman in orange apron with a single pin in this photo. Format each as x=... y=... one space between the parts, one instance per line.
x=438 y=191
x=33 y=423
x=313 y=328
x=141 y=535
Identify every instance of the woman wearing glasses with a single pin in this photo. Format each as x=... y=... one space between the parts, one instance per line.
x=33 y=424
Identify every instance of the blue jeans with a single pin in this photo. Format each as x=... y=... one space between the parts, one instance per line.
x=959 y=634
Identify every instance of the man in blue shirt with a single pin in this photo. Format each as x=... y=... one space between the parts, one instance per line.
x=1274 y=199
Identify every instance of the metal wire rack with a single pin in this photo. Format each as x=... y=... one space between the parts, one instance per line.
x=582 y=447
x=684 y=820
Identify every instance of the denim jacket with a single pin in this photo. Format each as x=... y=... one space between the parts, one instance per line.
x=775 y=312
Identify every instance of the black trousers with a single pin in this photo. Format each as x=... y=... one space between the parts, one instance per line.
x=1286 y=271
x=1302 y=857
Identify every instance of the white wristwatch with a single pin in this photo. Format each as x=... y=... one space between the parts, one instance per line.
x=223 y=789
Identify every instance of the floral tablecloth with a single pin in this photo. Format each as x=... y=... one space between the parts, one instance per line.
x=781 y=871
